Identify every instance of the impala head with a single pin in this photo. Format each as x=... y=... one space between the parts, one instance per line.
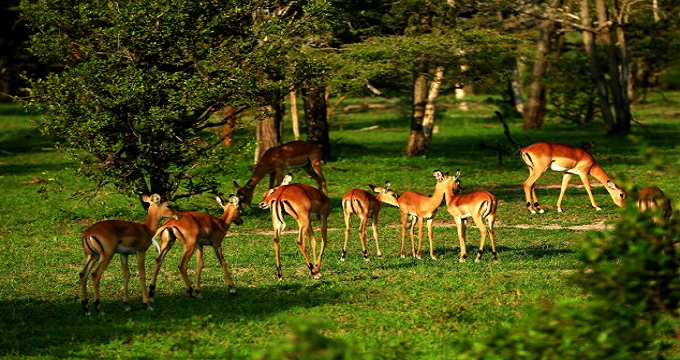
x=385 y=195
x=160 y=208
x=269 y=195
x=245 y=192
x=446 y=178
x=617 y=194
x=232 y=210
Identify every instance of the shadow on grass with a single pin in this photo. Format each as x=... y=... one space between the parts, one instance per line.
x=57 y=329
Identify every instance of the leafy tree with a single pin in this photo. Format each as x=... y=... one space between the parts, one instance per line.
x=141 y=80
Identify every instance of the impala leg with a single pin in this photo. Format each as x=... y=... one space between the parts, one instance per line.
x=324 y=238
x=586 y=184
x=312 y=241
x=141 y=269
x=347 y=231
x=90 y=261
x=418 y=253
x=563 y=189
x=199 y=270
x=403 y=234
x=374 y=225
x=491 y=219
x=362 y=235
x=430 y=235
x=126 y=278
x=278 y=255
x=183 y=264
x=530 y=191
x=96 y=280
x=304 y=228
x=223 y=263
x=314 y=170
x=460 y=224
x=167 y=241
x=482 y=231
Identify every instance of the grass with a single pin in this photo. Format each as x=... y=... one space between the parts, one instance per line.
x=386 y=308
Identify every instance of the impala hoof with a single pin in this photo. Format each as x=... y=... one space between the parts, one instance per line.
x=597 y=208
x=541 y=211
x=232 y=290
x=559 y=210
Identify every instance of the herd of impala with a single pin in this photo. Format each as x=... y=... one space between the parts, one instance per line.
x=305 y=204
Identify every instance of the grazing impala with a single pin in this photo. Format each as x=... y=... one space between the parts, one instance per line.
x=571 y=161
x=196 y=230
x=305 y=204
x=365 y=205
x=294 y=154
x=419 y=208
x=652 y=199
x=106 y=238
x=479 y=205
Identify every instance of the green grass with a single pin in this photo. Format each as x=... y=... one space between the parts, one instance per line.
x=385 y=308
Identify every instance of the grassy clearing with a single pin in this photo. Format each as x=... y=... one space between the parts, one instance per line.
x=386 y=308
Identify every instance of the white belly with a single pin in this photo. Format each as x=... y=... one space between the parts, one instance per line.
x=562 y=169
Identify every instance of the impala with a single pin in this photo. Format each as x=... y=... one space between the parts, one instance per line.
x=571 y=161
x=291 y=155
x=419 y=208
x=364 y=205
x=653 y=199
x=196 y=230
x=305 y=204
x=479 y=205
x=106 y=238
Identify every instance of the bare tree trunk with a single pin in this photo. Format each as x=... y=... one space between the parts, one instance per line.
x=514 y=87
x=294 y=115
x=317 y=118
x=613 y=62
x=591 y=51
x=269 y=129
x=430 y=107
x=417 y=142
x=627 y=117
x=535 y=104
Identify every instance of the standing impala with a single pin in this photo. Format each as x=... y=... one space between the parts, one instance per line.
x=106 y=238
x=365 y=205
x=196 y=230
x=291 y=155
x=305 y=204
x=419 y=208
x=540 y=157
x=479 y=205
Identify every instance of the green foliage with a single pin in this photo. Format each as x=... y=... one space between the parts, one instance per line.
x=631 y=277
x=142 y=78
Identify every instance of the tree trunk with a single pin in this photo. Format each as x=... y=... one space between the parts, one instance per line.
x=598 y=77
x=294 y=115
x=417 y=142
x=316 y=118
x=627 y=117
x=616 y=79
x=535 y=104
x=430 y=107
x=514 y=86
x=269 y=129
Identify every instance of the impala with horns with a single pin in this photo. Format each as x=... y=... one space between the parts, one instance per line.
x=479 y=205
x=196 y=230
x=653 y=199
x=305 y=204
x=291 y=155
x=540 y=157
x=106 y=238
x=364 y=205
x=419 y=208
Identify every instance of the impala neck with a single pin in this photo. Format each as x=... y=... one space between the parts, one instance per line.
x=152 y=218
x=227 y=216
x=440 y=190
x=598 y=173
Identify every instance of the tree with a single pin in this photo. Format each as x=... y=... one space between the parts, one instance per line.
x=141 y=80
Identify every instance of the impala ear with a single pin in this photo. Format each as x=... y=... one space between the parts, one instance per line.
x=611 y=185
x=154 y=198
x=374 y=188
x=387 y=185
x=287 y=179
x=234 y=200
x=438 y=175
x=457 y=175
x=219 y=200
